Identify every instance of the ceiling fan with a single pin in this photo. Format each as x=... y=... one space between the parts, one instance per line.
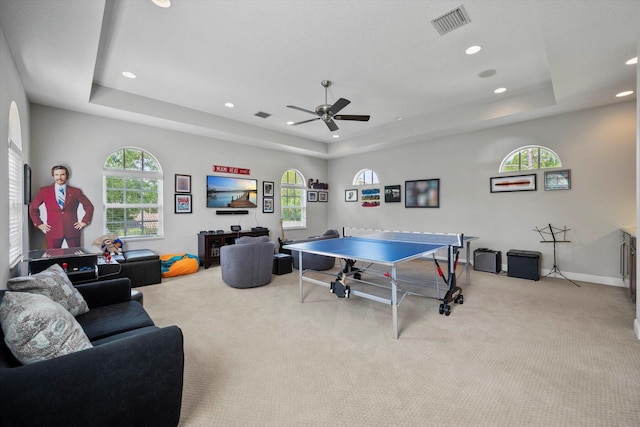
x=328 y=113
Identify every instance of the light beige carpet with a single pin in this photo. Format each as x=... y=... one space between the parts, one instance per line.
x=516 y=353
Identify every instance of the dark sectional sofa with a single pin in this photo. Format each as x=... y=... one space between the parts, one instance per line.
x=141 y=266
x=314 y=261
x=133 y=375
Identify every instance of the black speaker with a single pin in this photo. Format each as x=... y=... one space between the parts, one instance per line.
x=235 y=212
x=487 y=260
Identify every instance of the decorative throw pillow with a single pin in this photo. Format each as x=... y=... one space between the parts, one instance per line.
x=54 y=284
x=36 y=328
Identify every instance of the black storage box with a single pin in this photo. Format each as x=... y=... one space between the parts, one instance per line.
x=282 y=264
x=487 y=260
x=523 y=264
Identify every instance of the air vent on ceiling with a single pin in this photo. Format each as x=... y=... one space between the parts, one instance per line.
x=451 y=20
x=263 y=114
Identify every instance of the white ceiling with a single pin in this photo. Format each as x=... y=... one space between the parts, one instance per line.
x=386 y=57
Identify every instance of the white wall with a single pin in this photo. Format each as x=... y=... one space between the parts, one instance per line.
x=598 y=145
x=11 y=89
x=83 y=142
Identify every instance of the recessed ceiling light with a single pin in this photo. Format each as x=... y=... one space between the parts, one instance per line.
x=399 y=118
x=335 y=136
x=500 y=90
x=129 y=74
x=162 y=3
x=487 y=73
x=625 y=93
x=229 y=104
x=290 y=123
x=632 y=61
x=473 y=49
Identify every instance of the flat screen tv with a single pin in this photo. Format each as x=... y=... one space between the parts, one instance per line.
x=228 y=192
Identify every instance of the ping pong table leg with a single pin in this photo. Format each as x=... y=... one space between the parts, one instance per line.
x=300 y=273
x=394 y=302
x=468 y=263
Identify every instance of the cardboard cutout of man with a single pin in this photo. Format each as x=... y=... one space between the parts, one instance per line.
x=61 y=202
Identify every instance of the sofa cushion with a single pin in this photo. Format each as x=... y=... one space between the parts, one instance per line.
x=139 y=255
x=37 y=328
x=126 y=334
x=113 y=319
x=54 y=284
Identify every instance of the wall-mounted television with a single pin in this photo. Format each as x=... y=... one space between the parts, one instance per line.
x=229 y=192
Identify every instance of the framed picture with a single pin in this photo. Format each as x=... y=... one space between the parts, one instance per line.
x=183 y=203
x=267 y=189
x=557 y=180
x=351 y=195
x=267 y=205
x=502 y=184
x=323 y=196
x=422 y=193
x=312 y=196
x=27 y=184
x=392 y=194
x=183 y=183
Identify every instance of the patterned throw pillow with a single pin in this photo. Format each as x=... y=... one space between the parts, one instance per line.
x=36 y=328
x=53 y=283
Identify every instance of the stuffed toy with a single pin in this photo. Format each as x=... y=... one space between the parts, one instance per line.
x=109 y=243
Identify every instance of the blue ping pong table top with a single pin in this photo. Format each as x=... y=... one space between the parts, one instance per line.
x=363 y=249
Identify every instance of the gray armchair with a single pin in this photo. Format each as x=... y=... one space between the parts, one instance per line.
x=248 y=263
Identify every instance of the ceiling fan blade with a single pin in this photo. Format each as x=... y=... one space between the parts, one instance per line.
x=332 y=125
x=305 y=121
x=352 y=117
x=302 y=109
x=339 y=105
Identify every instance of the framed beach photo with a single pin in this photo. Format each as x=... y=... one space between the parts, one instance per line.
x=323 y=196
x=183 y=183
x=312 y=196
x=183 y=203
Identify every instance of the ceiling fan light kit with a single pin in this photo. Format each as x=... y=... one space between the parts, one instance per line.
x=328 y=113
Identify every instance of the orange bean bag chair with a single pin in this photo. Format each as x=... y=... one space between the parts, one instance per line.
x=179 y=264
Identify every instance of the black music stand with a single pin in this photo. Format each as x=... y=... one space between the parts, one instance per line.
x=550 y=230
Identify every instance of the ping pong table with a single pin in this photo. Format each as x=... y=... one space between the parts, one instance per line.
x=386 y=248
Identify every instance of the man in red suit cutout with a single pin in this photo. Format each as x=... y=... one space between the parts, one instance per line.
x=61 y=201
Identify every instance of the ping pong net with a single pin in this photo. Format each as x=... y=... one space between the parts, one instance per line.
x=444 y=239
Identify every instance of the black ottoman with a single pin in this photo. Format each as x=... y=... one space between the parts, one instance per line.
x=282 y=263
x=141 y=266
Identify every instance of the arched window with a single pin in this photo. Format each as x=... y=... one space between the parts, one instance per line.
x=530 y=157
x=366 y=177
x=14 y=180
x=293 y=204
x=132 y=182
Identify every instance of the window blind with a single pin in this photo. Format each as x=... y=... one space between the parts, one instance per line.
x=15 y=205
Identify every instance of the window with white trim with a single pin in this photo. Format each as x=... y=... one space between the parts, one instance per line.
x=366 y=177
x=530 y=157
x=293 y=200
x=15 y=179
x=132 y=183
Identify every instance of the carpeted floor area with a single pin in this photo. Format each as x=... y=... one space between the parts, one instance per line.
x=517 y=352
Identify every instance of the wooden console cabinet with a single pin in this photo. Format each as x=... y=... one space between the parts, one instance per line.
x=209 y=243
